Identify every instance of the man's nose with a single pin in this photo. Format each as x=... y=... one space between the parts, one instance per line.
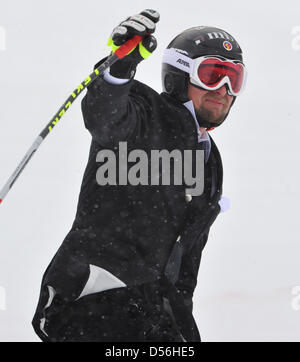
x=221 y=91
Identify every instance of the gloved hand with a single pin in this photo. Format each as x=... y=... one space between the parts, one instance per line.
x=142 y=24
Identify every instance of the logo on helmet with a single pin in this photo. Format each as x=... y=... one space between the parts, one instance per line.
x=183 y=62
x=227 y=45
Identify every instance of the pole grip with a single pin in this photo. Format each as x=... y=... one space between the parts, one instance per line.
x=128 y=46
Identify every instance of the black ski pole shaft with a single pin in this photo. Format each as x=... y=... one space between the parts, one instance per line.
x=118 y=54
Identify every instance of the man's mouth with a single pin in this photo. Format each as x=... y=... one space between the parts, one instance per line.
x=214 y=102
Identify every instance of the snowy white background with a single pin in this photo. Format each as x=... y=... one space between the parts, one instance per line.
x=251 y=262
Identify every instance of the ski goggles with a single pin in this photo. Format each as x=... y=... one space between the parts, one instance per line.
x=210 y=72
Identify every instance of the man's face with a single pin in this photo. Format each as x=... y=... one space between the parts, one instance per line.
x=210 y=106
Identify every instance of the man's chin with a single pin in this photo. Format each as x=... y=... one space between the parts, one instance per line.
x=210 y=116
x=218 y=120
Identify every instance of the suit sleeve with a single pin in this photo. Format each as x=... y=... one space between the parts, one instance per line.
x=113 y=113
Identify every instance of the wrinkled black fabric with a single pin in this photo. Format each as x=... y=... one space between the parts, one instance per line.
x=118 y=315
x=130 y=231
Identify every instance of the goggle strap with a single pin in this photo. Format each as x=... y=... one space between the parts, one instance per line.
x=178 y=60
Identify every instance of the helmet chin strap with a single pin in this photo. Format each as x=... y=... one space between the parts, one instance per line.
x=211 y=125
x=201 y=122
x=208 y=125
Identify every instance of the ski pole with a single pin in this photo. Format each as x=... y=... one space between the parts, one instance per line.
x=118 y=54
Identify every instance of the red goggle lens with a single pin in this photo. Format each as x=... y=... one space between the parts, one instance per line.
x=211 y=71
